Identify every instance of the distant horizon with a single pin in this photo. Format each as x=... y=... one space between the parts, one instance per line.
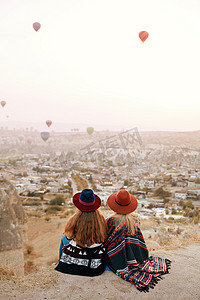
x=67 y=127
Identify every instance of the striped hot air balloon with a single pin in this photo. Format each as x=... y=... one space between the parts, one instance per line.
x=44 y=135
x=143 y=35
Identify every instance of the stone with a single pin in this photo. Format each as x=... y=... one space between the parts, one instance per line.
x=13 y=232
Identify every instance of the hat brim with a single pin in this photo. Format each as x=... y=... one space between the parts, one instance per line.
x=82 y=207
x=124 y=210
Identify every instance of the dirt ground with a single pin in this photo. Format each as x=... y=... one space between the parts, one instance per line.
x=42 y=282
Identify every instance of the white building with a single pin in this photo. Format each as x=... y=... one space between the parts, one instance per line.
x=159 y=212
x=180 y=195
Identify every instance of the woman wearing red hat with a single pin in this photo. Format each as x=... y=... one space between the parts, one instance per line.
x=84 y=236
x=127 y=253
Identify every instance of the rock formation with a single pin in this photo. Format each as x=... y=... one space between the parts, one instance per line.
x=13 y=232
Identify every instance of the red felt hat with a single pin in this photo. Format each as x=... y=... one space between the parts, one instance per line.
x=86 y=200
x=122 y=202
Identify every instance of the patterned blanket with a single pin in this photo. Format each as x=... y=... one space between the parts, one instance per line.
x=88 y=261
x=128 y=257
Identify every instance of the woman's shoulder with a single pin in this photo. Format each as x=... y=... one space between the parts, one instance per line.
x=64 y=238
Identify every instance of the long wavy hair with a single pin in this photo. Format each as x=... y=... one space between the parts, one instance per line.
x=86 y=228
x=132 y=220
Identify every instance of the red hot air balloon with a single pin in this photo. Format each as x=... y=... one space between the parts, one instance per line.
x=36 y=26
x=143 y=35
x=3 y=103
x=29 y=140
x=48 y=122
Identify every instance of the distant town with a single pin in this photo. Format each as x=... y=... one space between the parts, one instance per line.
x=161 y=169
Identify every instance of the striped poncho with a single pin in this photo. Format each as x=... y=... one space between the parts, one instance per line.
x=128 y=257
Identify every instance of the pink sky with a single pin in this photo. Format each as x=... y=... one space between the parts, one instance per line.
x=87 y=64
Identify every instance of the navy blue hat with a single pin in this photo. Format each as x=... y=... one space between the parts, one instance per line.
x=86 y=200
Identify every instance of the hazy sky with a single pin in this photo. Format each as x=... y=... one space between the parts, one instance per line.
x=87 y=64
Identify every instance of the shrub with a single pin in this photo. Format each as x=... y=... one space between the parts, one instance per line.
x=58 y=200
x=32 y=203
x=29 y=267
x=174 y=211
x=29 y=249
x=150 y=206
x=53 y=209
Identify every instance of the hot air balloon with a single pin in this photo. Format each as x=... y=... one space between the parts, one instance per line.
x=36 y=26
x=48 y=122
x=143 y=35
x=90 y=130
x=29 y=140
x=3 y=103
x=21 y=137
x=44 y=135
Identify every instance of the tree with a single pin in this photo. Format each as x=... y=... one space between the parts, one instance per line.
x=197 y=181
x=174 y=211
x=189 y=204
x=160 y=192
x=181 y=203
x=150 y=206
x=69 y=183
x=90 y=179
x=126 y=182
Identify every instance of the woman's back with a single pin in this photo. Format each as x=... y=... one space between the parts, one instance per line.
x=85 y=232
x=124 y=246
x=128 y=255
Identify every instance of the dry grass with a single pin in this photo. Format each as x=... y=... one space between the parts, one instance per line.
x=69 y=212
x=174 y=238
x=6 y=273
x=51 y=261
x=29 y=267
x=36 y=214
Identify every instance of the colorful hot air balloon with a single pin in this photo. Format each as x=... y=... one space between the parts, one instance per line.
x=90 y=130
x=3 y=103
x=143 y=35
x=48 y=122
x=36 y=26
x=44 y=135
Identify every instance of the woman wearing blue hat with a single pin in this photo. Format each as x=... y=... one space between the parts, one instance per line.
x=82 y=250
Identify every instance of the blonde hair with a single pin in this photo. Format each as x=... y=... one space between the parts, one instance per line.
x=132 y=220
x=86 y=228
